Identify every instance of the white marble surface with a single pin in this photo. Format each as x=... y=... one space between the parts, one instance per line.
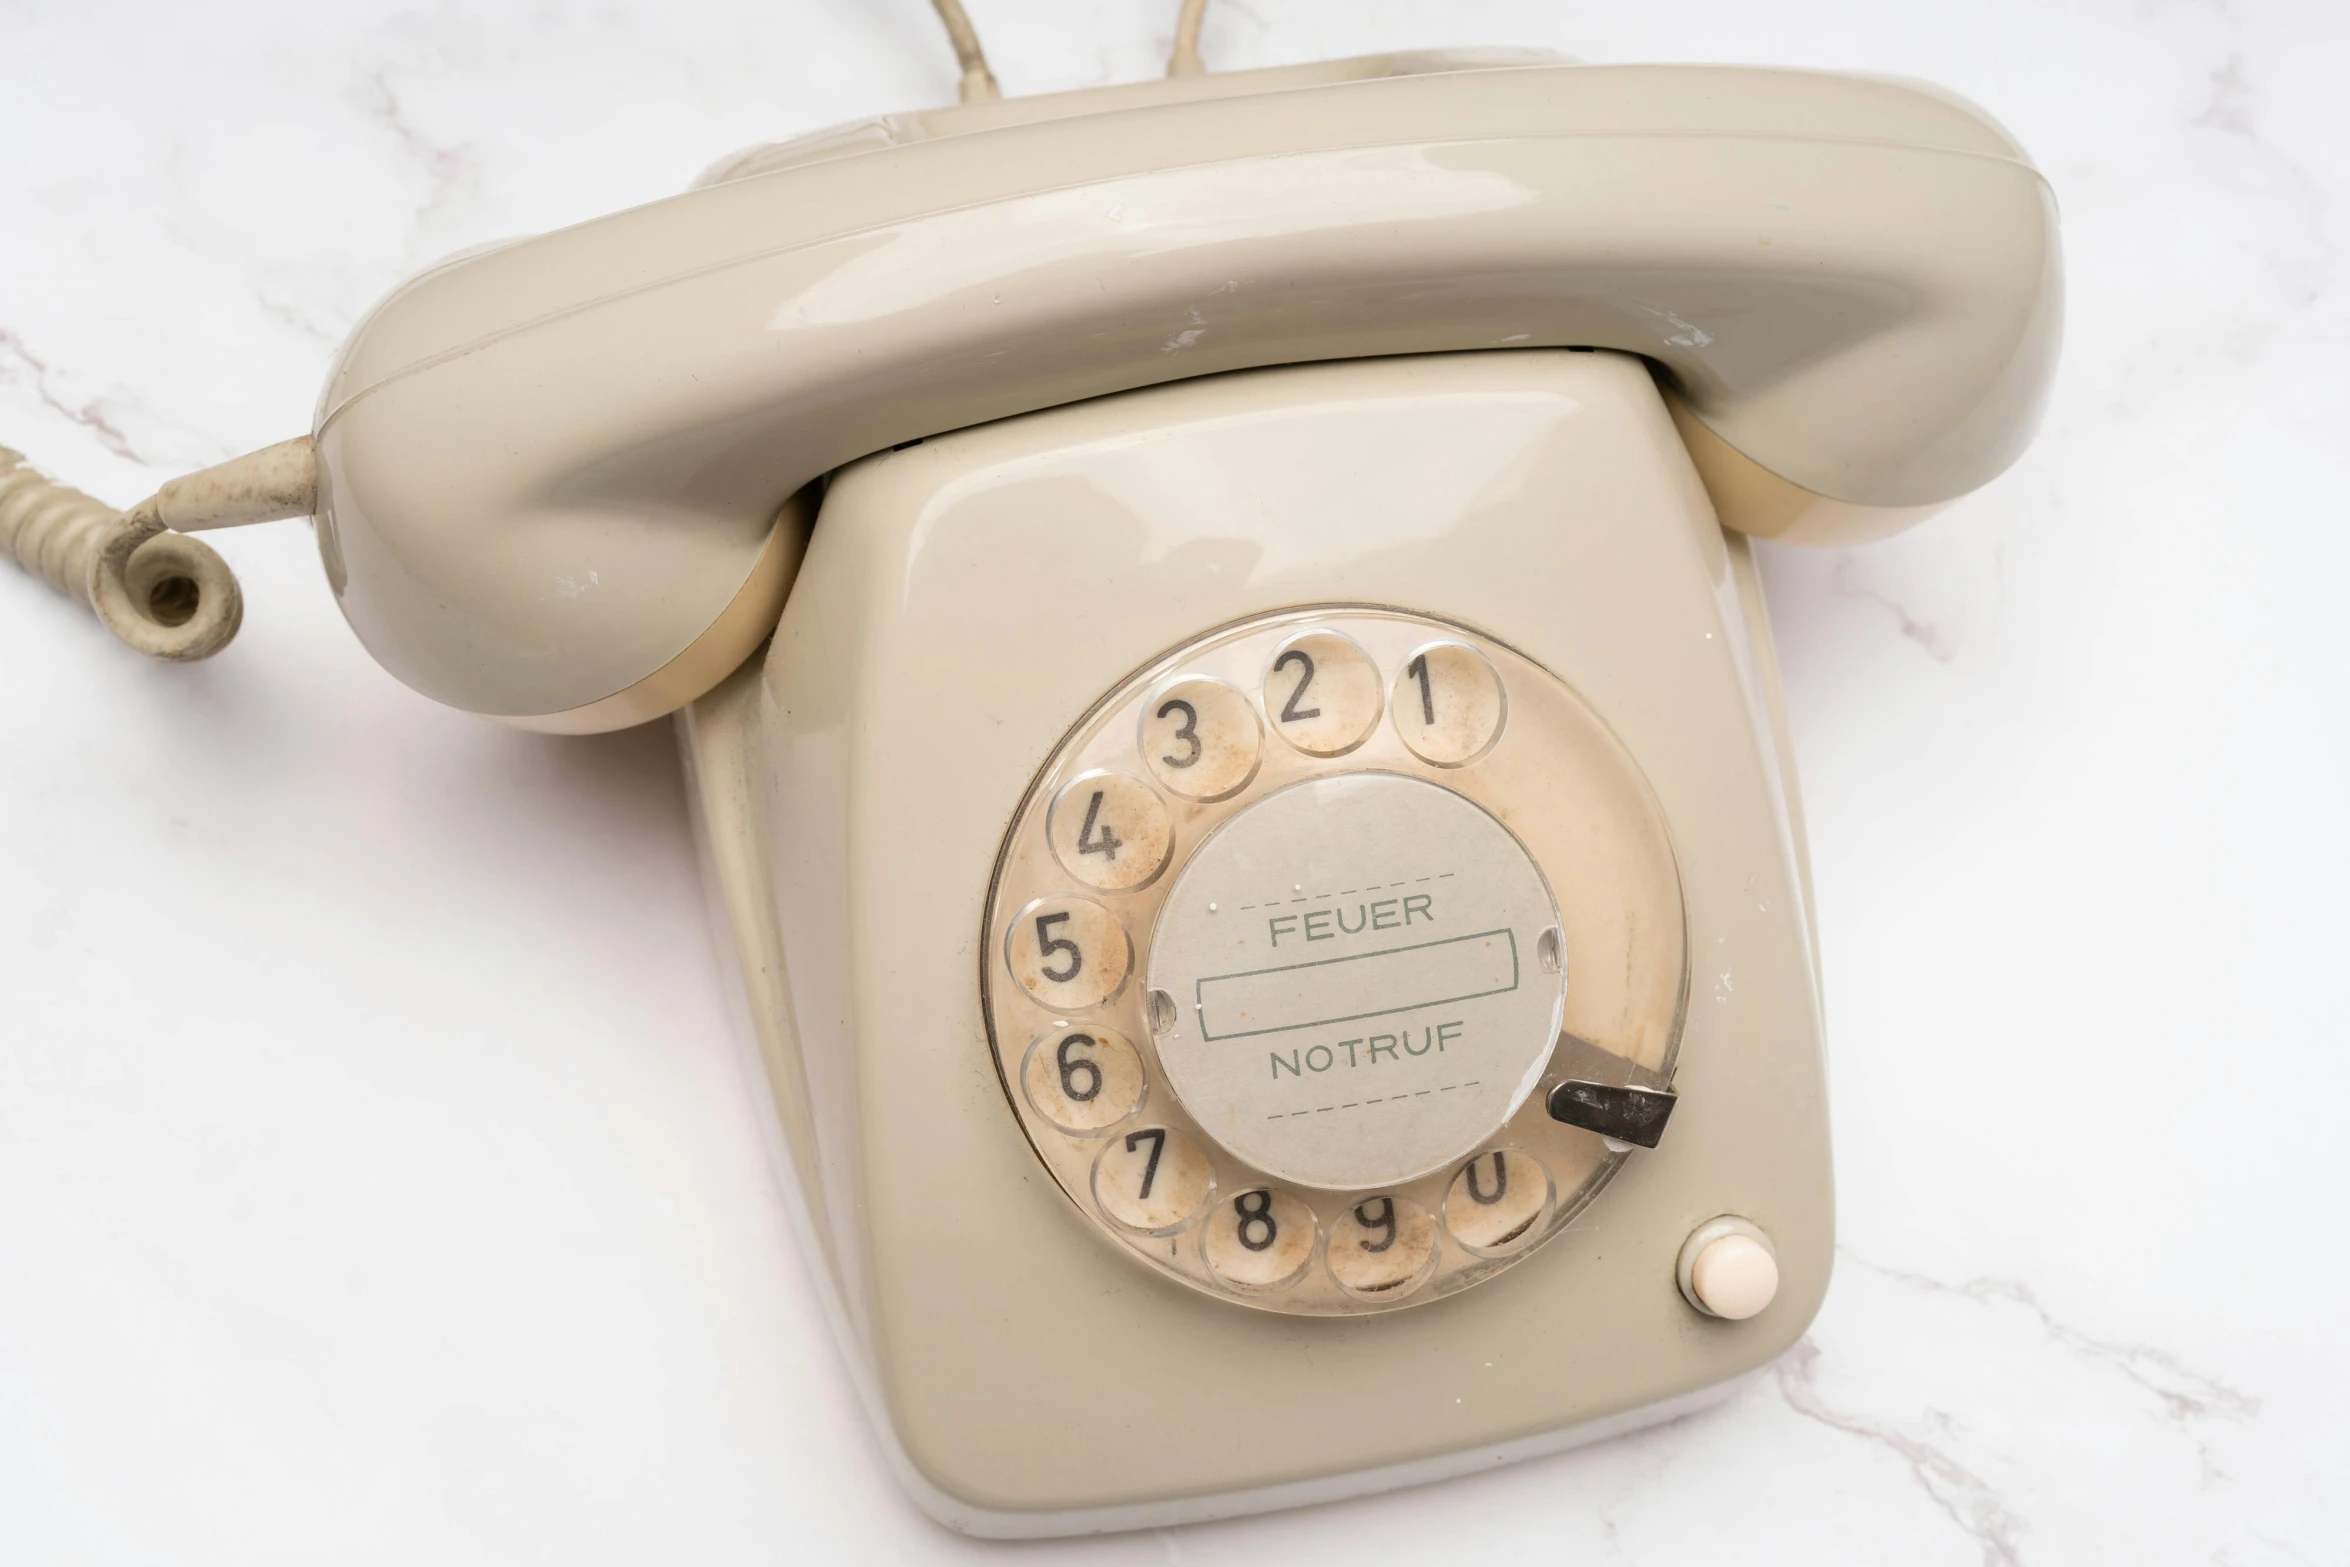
x=375 y=1180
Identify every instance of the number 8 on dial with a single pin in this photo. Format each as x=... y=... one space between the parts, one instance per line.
x=1259 y=1240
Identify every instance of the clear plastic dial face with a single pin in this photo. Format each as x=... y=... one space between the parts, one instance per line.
x=1291 y=938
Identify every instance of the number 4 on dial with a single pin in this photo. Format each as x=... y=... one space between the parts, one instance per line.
x=1090 y=841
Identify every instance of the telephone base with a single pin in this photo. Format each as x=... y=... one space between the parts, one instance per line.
x=963 y=603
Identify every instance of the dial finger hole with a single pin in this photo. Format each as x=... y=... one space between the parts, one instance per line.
x=1382 y=1248
x=1201 y=739
x=1259 y=1240
x=1322 y=693
x=1496 y=1202
x=1153 y=1179
x=1448 y=704
x=1069 y=954
x=1084 y=1080
x=1110 y=831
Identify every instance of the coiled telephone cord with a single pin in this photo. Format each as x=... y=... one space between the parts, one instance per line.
x=159 y=591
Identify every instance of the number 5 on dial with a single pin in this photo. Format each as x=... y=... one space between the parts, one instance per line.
x=1069 y=954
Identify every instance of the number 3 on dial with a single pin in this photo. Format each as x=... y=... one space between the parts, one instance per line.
x=1200 y=739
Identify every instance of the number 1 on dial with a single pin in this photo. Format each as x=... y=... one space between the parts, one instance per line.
x=1418 y=670
x=1448 y=704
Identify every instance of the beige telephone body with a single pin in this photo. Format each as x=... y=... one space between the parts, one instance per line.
x=1269 y=786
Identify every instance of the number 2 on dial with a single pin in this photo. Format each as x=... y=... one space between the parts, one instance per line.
x=1291 y=713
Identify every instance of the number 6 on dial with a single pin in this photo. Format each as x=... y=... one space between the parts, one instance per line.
x=1083 y=1079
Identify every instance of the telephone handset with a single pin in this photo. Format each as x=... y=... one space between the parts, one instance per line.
x=1265 y=791
x=550 y=473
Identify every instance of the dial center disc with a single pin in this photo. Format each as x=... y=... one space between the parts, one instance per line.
x=1363 y=980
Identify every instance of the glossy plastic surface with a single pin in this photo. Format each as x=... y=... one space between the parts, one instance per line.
x=966 y=602
x=549 y=468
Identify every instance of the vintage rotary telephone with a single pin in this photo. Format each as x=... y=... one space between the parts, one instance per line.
x=1266 y=783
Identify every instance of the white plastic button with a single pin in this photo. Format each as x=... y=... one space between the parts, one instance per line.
x=1110 y=831
x=1322 y=693
x=1258 y=1240
x=1154 y=1179
x=1495 y=1200
x=1382 y=1248
x=1200 y=738
x=1729 y=1270
x=1448 y=704
x=1084 y=1079
x=1067 y=953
